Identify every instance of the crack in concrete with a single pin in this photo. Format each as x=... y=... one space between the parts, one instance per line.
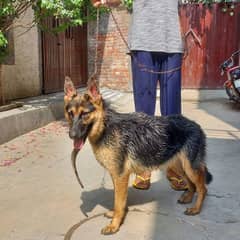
x=232 y=221
x=228 y=195
x=148 y=212
x=233 y=196
x=201 y=227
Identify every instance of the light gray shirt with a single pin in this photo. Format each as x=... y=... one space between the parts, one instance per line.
x=155 y=26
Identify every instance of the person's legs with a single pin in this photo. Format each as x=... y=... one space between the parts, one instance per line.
x=144 y=90
x=144 y=82
x=170 y=84
x=170 y=103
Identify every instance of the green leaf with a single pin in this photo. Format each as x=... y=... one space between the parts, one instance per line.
x=3 y=40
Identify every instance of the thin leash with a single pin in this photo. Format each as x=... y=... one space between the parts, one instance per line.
x=75 y=227
x=93 y=76
x=96 y=46
x=102 y=185
x=141 y=66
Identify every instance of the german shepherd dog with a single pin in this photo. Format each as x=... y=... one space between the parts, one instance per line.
x=126 y=143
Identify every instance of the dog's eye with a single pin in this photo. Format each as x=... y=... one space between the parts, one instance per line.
x=84 y=114
x=86 y=97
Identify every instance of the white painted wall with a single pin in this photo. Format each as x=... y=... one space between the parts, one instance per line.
x=23 y=78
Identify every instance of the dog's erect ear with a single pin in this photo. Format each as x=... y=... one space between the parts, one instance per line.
x=69 y=88
x=93 y=90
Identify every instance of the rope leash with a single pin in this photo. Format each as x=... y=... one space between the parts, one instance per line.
x=70 y=232
x=93 y=76
x=96 y=46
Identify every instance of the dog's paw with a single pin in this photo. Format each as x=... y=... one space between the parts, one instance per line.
x=182 y=201
x=109 y=229
x=192 y=211
x=185 y=198
x=109 y=214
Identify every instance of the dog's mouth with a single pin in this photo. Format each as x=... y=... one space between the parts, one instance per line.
x=78 y=144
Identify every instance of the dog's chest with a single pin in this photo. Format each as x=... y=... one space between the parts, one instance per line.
x=105 y=156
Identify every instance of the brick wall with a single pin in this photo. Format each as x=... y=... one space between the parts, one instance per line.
x=113 y=63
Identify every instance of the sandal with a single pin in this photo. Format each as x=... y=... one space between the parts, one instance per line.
x=176 y=182
x=141 y=183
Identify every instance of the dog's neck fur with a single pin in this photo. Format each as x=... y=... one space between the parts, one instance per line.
x=98 y=126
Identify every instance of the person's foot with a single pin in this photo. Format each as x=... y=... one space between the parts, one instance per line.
x=176 y=181
x=142 y=182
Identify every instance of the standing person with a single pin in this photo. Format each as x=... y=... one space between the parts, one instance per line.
x=156 y=56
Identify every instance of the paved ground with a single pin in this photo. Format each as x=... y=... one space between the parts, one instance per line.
x=40 y=198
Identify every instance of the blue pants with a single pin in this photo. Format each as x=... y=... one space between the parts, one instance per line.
x=145 y=83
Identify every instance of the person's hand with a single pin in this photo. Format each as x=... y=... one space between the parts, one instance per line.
x=98 y=3
x=105 y=3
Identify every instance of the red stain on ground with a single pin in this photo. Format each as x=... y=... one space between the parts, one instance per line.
x=26 y=144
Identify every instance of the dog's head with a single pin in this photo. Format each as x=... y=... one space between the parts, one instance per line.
x=81 y=111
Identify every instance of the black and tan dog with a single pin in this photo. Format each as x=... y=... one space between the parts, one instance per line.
x=126 y=143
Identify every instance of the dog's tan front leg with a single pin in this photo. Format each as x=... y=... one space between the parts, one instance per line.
x=120 y=200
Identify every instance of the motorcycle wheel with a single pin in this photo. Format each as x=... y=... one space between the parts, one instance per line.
x=229 y=92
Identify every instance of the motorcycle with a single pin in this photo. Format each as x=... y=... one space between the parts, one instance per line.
x=232 y=70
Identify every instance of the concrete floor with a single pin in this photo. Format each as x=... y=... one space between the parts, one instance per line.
x=40 y=198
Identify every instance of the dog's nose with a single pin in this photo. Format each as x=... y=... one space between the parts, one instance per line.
x=72 y=134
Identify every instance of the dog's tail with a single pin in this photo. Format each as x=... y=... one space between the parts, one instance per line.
x=208 y=176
